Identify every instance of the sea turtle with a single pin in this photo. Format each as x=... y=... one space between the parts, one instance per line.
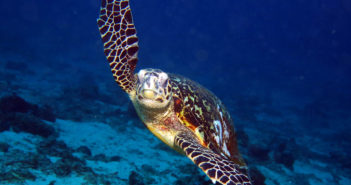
x=180 y=112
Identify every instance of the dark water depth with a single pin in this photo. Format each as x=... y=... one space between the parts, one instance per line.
x=283 y=68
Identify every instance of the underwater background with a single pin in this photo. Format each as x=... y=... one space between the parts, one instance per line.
x=282 y=68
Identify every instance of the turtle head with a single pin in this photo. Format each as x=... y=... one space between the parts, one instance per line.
x=153 y=89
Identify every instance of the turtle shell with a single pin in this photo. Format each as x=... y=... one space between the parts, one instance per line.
x=205 y=115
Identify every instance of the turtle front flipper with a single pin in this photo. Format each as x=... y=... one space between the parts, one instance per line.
x=120 y=41
x=217 y=168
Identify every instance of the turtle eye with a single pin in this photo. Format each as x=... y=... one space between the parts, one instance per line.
x=163 y=79
x=141 y=75
x=165 y=84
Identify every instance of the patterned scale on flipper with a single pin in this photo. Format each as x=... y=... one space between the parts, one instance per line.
x=118 y=34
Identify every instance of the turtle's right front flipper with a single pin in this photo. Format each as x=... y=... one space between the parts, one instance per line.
x=216 y=167
x=120 y=41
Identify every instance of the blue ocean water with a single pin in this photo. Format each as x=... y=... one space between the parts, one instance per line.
x=282 y=68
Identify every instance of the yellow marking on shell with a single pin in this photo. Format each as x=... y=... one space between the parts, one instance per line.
x=212 y=127
x=196 y=130
x=200 y=135
x=197 y=108
x=208 y=107
x=186 y=99
x=184 y=120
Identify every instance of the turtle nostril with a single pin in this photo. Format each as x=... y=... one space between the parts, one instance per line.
x=159 y=100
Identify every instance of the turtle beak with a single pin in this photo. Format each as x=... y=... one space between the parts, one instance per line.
x=149 y=94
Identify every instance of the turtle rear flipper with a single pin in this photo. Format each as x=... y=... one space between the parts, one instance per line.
x=217 y=168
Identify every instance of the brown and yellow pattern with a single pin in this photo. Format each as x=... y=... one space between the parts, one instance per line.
x=217 y=169
x=120 y=41
x=196 y=121
x=204 y=114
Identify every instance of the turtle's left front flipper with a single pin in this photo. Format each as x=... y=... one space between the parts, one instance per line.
x=121 y=47
x=217 y=168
